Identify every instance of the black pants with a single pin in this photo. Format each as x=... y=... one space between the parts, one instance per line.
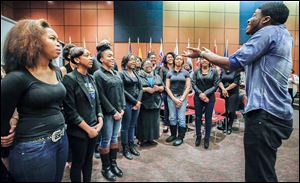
x=263 y=136
x=209 y=107
x=82 y=158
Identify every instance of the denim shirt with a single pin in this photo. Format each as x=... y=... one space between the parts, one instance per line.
x=267 y=60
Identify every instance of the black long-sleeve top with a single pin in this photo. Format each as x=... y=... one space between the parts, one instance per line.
x=207 y=84
x=38 y=105
x=163 y=73
x=229 y=77
x=154 y=100
x=111 y=91
x=132 y=87
x=80 y=103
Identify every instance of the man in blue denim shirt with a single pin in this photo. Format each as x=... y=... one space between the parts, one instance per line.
x=267 y=60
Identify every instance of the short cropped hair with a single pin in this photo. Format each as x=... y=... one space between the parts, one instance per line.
x=278 y=12
x=76 y=52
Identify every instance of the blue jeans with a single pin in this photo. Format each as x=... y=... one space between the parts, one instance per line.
x=209 y=107
x=177 y=114
x=42 y=161
x=109 y=132
x=166 y=111
x=128 y=124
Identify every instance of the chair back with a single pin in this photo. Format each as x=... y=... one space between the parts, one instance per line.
x=190 y=101
x=220 y=106
x=218 y=94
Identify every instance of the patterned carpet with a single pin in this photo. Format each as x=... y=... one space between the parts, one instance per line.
x=222 y=162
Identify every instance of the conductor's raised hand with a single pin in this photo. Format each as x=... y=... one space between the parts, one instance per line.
x=192 y=52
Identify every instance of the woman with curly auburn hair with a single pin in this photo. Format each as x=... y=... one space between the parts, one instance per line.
x=33 y=86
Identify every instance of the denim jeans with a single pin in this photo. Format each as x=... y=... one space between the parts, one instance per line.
x=42 y=161
x=262 y=137
x=166 y=111
x=177 y=114
x=128 y=124
x=209 y=107
x=109 y=132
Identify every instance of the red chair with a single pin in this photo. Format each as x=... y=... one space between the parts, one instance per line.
x=190 y=108
x=219 y=115
x=218 y=94
x=190 y=101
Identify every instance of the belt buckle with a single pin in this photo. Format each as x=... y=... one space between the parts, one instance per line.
x=57 y=135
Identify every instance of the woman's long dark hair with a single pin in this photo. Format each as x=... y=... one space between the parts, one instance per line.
x=23 y=45
x=125 y=60
x=164 y=60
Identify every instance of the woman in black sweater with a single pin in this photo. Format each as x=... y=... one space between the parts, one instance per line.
x=111 y=91
x=229 y=85
x=205 y=82
x=83 y=114
x=33 y=86
x=148 y=122
x=133 y=95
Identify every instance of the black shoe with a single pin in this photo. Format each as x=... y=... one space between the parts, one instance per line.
x=220 y=128
x=178 y=142
x=133 y=150
x=97 y=155
x=171 y=139
x=198 y=141
x=116 y=170
x=152 y=142
x=108 y=174
x=126 y=153
x=206 y=144
x=166 y=130
x=229 y=131
x=143 y=143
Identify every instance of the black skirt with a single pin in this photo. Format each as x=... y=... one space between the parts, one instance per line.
x=232 y=102
x=148 y=125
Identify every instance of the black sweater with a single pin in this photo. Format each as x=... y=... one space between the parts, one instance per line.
x=207 y=84
x=133 y=87
x=111 y=91
x=38 y=105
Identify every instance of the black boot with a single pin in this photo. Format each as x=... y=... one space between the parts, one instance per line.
x=106 y=171
x=132 y=149
x=181 y=134
x=113 y=163
x=198 y=141
x=206 y=143
x=173 y=129
x=230 y=122
x=126 y=152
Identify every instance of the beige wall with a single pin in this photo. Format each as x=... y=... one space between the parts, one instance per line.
x=194 y=20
